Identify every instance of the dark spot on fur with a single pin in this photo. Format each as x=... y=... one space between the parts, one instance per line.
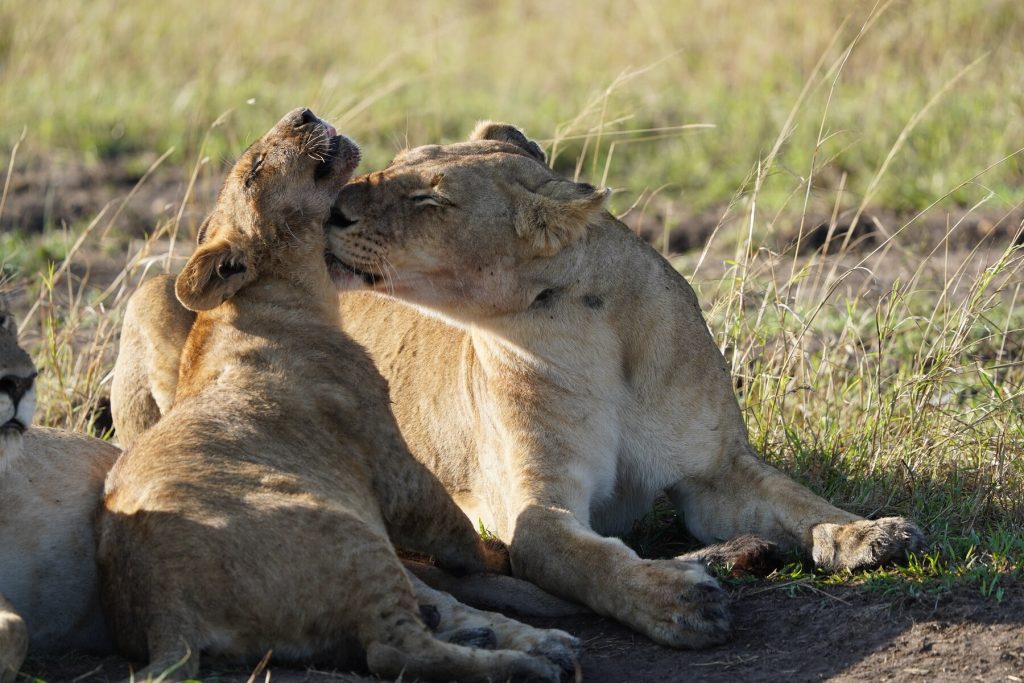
x=544 y=299
x=593 y=301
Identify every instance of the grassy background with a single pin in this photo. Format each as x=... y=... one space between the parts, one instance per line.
x=886 y=375
x=106 y=79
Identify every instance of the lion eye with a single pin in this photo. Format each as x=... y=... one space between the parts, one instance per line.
x=428 y=200
x=253 y=170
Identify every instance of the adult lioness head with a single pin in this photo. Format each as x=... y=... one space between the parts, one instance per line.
x=467 y=228
x=284 y=183
x=17 y=389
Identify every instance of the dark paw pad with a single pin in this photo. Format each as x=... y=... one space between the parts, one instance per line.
x=431 y=617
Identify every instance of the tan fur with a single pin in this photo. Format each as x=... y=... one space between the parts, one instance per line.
x=563 y=377
x=146 y=371
x=556 y=395
x=256 y=513
x=50 y=483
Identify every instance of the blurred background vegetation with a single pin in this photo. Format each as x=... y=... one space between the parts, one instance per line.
x=111 y=80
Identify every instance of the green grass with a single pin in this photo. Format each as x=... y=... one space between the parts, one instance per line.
x=888 y=379
x=610 y=82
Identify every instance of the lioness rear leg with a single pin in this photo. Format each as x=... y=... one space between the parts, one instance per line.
x=422 y=517
x=146 y=370
x=751 y=497
x=13 y=641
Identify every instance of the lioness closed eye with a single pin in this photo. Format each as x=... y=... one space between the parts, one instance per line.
x=564 y=378
x=256 y=514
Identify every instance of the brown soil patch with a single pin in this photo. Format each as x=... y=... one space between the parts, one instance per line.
x=781 y=633
x=55 y=191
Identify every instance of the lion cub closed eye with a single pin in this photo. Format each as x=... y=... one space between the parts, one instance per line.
x=256 y=514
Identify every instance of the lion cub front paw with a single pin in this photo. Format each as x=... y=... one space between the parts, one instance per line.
x=13 y=645
x=675 y=603
x=865 y=543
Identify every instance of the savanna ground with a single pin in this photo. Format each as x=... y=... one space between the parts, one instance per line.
x=840 y=181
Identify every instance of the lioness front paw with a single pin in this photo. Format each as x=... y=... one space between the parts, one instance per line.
x=865 y=543
x=673 y=602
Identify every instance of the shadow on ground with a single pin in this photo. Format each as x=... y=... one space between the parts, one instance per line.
x=782 y=632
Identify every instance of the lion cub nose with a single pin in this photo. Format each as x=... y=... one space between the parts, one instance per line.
x=16 y=387
x=305 y=115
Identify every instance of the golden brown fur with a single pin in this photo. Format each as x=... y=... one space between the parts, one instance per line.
x=256 y=513
x=556 y=374
x=50 y=483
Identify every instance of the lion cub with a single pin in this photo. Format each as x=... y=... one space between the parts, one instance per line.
x=50 y=483
x=256 y=514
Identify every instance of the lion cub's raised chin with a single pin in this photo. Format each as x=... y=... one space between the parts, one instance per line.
x=255 y=515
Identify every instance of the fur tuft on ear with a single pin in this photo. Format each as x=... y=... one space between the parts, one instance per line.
x=504 y=132
x=557 y=214
x=214 y=273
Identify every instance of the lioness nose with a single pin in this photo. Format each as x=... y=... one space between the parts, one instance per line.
x=16 y=387
x=305 y=116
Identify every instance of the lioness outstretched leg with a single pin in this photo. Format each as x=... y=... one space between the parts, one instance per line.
x=13 y=641
x=749 y=496
x=674 y=602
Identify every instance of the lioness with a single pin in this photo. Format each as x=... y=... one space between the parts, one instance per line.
x=255 y=514
x=556 y=373
x=50 y=484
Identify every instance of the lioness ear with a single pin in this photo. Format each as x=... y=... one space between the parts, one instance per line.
x=212 y=275
x=504 y=132
x=557 y=214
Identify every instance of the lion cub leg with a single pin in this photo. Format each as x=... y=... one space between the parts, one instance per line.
x=13 y=641
x=399 y=643
x=751 y=497
x=457 y=623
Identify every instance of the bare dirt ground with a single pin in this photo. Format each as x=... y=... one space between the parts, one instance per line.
x=56 y=191
x=782 y=633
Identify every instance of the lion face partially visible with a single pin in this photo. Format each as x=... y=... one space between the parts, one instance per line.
x=17 y=390
x=274 y=201
x=467 y=229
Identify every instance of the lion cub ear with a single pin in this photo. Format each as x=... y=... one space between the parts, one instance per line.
x=213 y=274
x=557 y=214
x=504 y=132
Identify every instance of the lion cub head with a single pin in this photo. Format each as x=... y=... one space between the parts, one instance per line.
x=472 y=229
x=271 y=210
x=17 y=389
